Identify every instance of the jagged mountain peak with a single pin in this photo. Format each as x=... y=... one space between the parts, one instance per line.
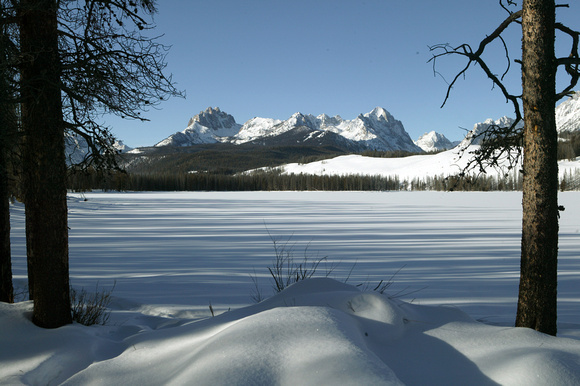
x=209 y=126
x=380 y=113
x=213 y=118
x=567 y=120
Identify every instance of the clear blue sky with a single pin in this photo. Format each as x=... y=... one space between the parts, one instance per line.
x=272 y=58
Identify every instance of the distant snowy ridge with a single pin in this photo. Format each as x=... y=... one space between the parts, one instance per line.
x=433 y=141
x=376 y=130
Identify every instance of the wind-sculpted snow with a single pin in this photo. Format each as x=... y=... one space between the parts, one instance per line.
x=318 y=331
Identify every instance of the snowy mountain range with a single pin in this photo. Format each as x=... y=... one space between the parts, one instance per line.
x=376 y=130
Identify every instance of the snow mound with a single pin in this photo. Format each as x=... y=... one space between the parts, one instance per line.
x=317 y=331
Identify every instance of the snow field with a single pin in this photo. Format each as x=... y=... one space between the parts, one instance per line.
x=455 y=255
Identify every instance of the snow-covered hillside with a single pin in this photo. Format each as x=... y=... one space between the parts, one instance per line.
x=442 y=164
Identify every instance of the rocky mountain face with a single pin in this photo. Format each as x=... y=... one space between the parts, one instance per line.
x=376 y=130
x=209 y=126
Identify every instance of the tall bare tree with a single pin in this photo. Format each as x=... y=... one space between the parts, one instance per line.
x=77 y=60
x=537 y=300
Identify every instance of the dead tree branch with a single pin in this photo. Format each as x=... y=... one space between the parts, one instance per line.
x=499 y=143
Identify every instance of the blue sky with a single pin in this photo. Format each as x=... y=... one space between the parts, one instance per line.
x=272 y=58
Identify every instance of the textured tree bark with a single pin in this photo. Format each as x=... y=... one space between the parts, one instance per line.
x=44 y=164
x=537 y=302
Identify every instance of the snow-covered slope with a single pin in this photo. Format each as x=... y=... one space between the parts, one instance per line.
x=209 y=126
x=568 y=114
x=316 y=332
x=433 y=141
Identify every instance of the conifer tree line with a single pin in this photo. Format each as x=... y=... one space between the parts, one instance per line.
x=275 y=181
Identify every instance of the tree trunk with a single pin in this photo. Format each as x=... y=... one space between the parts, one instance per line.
x=537 y=301
x=44 y=164
x=7 y=128
x=6 y=288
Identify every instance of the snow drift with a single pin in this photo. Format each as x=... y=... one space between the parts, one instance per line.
x=317 y=331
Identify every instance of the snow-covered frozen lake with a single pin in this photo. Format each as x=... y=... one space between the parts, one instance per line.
x=195 y=248
x=171 y=255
